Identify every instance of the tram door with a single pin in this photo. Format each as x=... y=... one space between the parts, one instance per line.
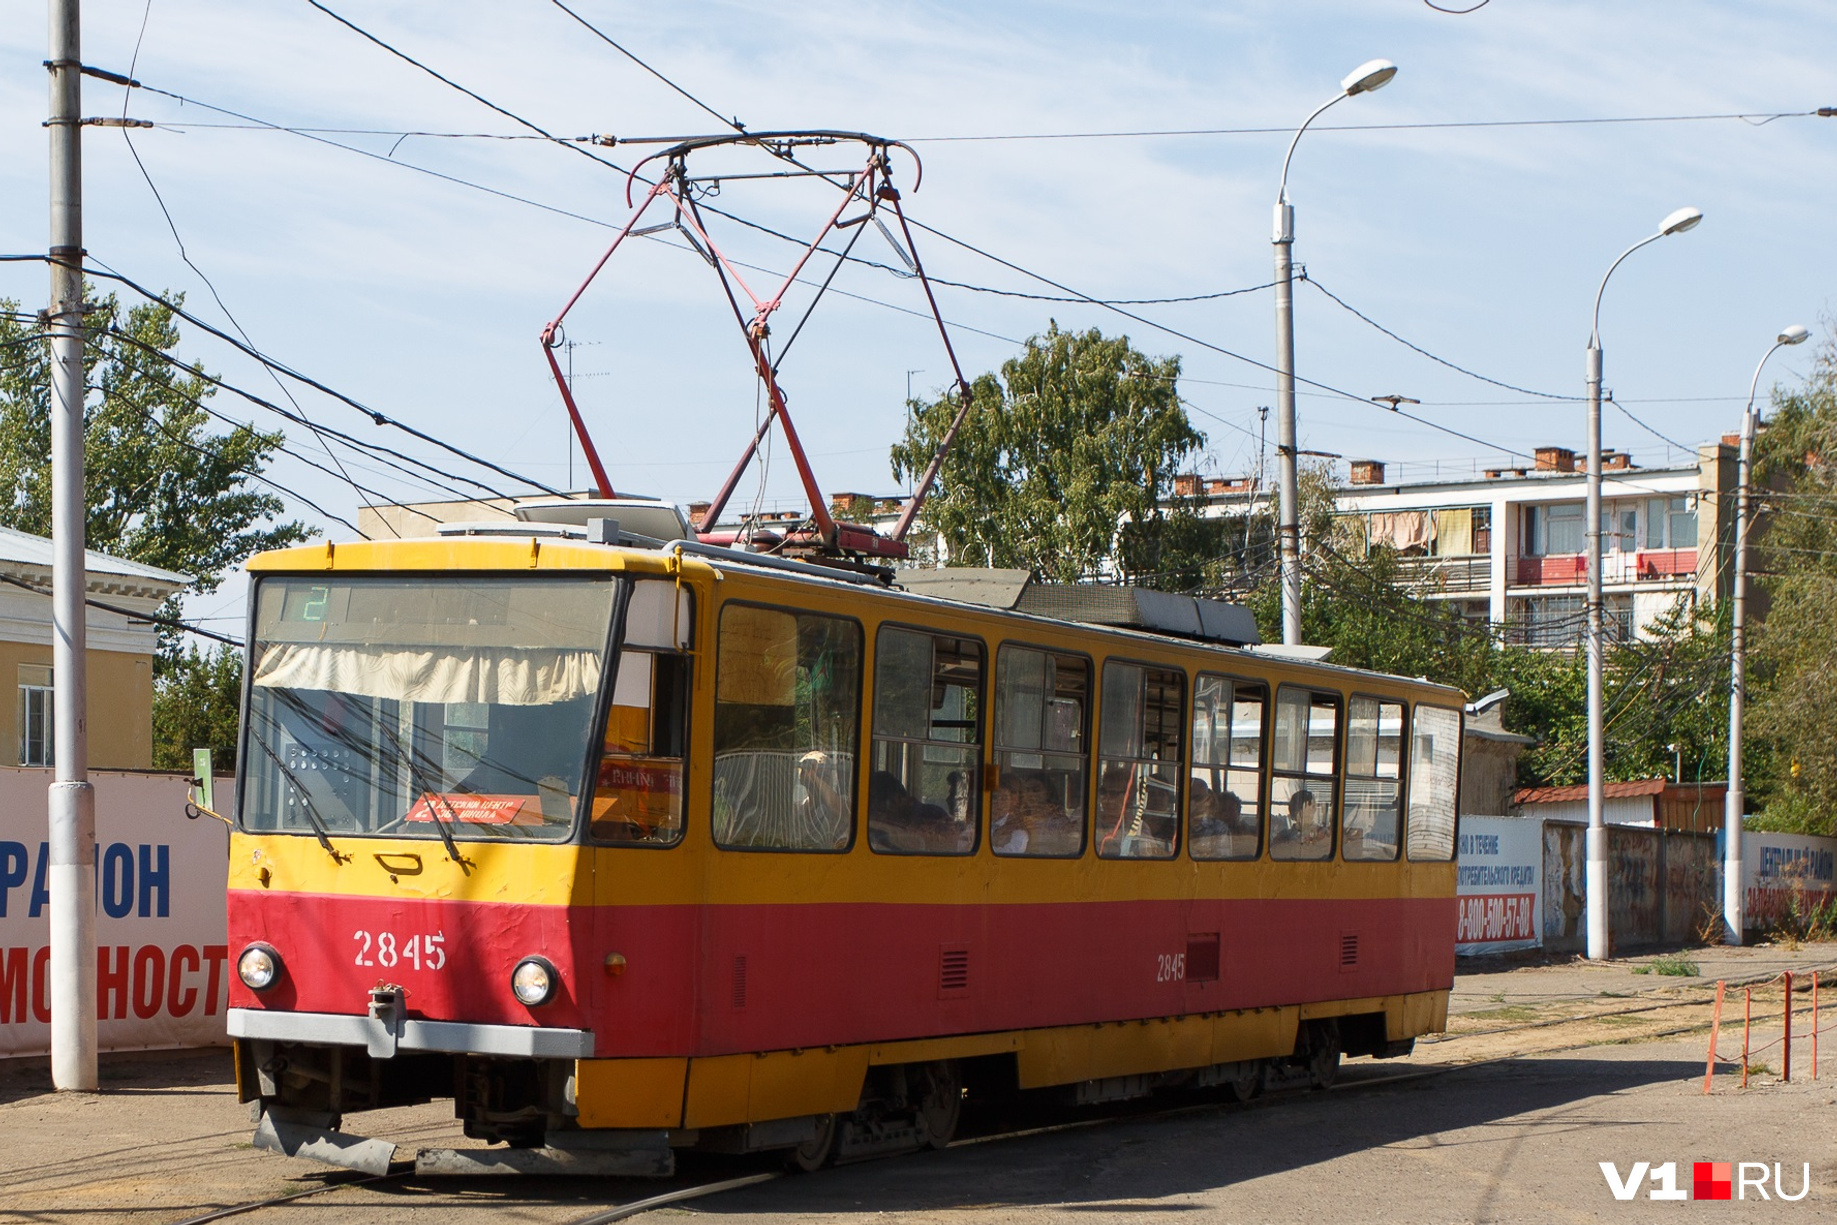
x=637 y=813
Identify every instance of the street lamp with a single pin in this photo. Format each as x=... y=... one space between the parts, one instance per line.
x=1736 y=800
x=1596 y=873
x=1373 y=74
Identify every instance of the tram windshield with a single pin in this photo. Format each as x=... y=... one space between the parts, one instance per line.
x=423 y=706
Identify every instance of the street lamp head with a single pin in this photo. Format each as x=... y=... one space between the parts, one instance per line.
x=1794 y=335
x=1372 y=74
x=1678 y=222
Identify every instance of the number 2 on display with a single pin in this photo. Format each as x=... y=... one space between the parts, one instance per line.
x=389 y=949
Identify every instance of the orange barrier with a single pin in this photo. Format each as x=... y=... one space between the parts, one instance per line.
x=1715 y=1028
x=1747 y=1026
x=1786 y=1044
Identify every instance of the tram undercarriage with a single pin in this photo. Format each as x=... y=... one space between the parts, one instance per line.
x=302 y=1092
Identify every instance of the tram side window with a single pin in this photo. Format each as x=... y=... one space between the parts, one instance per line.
x=1041 y=702
x=786 y=730
x=1138 y=749
x=1435 y=761
x=1225 y=818
x=638 y=791
x=1305 y=779
x=1374 y=771
x=924 y=787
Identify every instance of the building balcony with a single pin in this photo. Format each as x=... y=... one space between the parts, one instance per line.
x=1617 y=566
x=1452 y=575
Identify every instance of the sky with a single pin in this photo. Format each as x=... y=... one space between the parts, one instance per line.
x=414 y=274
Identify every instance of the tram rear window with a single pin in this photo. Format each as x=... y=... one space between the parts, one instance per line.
x=1435 y=764
x=413 y=705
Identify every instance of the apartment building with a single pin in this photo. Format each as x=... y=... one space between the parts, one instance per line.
x=1512 y=548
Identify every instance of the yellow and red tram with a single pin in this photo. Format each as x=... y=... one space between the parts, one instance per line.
x=625 y=848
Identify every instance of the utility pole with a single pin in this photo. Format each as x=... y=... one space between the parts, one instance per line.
x=72 y=803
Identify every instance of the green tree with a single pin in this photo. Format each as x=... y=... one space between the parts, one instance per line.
x=195 y=703
x=1078 y=435
x=159 y=486
x=1791 y=756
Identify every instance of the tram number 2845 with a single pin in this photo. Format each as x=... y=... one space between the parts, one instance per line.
x=389 y=949
x=1170 y=967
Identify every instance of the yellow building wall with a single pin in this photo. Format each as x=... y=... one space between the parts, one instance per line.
x=120 y=705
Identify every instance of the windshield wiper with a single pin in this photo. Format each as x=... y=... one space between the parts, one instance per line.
x=434 y=801
x=306 y=800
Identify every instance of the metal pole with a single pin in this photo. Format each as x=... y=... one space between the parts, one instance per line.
x=72 y=807
x=1596 y=872
x=1288 y=529
x=1595 y=877
x=1734 y=918
x=1373 y=74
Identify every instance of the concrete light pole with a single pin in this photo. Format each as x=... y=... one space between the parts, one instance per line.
x=1732 y=906
x=1373 y=74
x=1596 y=872
x=72 y=804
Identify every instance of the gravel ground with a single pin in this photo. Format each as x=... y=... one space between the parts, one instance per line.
x=1573 y=1063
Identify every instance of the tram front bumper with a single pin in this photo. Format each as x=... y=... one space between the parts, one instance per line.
x=384 y=1032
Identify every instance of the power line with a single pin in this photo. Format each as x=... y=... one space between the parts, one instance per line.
x=374 y=415
x=733 y=123
x=1353 y=310
x=1756 y=119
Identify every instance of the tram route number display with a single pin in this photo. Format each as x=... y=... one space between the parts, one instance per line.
x=162 y=963
x=388 y=949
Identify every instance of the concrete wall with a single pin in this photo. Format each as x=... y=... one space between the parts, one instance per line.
x=1664 y=886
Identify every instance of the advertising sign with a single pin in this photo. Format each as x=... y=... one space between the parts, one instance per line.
x=162 y=965
x=1784 y=874
x=1500 y=861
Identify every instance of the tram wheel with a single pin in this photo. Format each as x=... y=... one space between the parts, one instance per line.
x=1249 y=1080
x=940 y=1104
x=819 y=1150
x=1323 y=1055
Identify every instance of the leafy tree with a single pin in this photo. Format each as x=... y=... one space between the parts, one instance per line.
x=159 y=487
x=1791 y=755
x=195 y=704
x=1077 y=435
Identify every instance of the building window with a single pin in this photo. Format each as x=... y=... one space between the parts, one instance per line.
x=35 y=716
x=1562 y=620
x=1620 y=527
x=1671 y=523
x=1555 y=529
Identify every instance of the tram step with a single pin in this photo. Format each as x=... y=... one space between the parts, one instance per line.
x=306 y=1134
x=623 y=1163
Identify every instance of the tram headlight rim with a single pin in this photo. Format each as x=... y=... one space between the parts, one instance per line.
x=276 y=966
x=547 y=983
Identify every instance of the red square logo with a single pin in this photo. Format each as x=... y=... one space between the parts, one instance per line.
x=1713 y=1180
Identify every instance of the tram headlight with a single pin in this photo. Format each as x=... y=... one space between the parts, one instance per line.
x=259 y=967
x=533 y=981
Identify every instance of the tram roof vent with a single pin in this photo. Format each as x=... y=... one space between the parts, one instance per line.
x=1138 y=608
x=659 y=520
